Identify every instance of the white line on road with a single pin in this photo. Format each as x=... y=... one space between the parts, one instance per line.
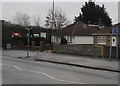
x=58 y=64
x=68 y=81
x=53 y=77
x=17 y=68
x=43 y=74
x=11 y=66
x=48 y=76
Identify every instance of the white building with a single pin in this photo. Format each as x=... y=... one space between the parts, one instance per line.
x=76 y=33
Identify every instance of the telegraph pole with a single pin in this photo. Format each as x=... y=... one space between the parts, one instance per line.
x=53 y=18
x=53 y=21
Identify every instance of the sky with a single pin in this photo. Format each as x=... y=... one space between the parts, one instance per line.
x=71 y=8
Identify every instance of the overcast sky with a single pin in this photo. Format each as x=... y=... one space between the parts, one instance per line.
x=70 y=8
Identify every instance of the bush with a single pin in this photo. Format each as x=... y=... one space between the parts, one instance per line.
x=24 y=39
x=38 y=40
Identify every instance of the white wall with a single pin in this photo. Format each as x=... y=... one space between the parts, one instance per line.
x=76 y=40
x=43 y=34
x=56 y=39
x=83 y=40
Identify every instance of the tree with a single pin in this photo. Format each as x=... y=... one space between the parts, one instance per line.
x=56 y=19
x=22 y=19
x=36 y=20
x=94 y=14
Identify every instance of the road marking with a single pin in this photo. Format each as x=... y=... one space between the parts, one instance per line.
x=69 y=81
x=48 y=76
x=59 y=64
x=17 y=68
x=11 y=66
x=53 y=77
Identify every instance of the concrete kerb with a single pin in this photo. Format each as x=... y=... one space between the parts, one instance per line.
x=78 y=65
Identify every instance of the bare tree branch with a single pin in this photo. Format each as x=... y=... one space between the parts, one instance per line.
x=36 y=19
x=22 y=19
x=60 y=20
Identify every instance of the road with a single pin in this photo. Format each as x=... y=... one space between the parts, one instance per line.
x=20 y=71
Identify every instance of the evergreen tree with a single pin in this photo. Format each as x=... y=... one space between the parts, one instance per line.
x=94 y=14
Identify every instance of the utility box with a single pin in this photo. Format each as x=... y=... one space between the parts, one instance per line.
x=8 y=46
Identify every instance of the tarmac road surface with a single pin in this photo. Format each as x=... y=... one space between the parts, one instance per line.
x=20 y=71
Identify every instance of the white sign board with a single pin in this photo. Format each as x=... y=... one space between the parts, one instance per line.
x=36 y=35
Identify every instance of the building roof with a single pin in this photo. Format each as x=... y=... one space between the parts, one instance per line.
x=107 y=30
x=38 y=29
x=76 y=29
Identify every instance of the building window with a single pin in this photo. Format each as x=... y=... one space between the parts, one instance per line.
x=54 y=38
x=69 y=38
x=101 y=40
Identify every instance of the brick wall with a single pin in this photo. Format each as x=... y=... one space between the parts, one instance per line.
x=79 y=50
x=107 y=51
x=98 y=51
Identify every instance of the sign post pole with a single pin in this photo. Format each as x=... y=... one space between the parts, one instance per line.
x=115 y=31
x=117 y=42
x=117 y=47
x=110 y=47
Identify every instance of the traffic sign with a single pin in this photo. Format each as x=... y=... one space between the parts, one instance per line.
x=115 y=30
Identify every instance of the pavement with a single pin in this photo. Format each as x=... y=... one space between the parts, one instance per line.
x=64 y=58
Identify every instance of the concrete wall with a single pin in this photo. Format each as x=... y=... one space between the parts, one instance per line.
x=79 y=50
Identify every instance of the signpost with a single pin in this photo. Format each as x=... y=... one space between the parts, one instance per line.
x=30 y=34
x=117 y=47
x=16 y=34
x=110 y=47
x=115 y=31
